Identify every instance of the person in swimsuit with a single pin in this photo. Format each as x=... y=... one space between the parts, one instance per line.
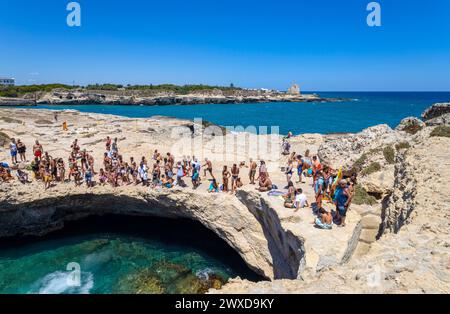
x=21 y=149
x=252 y=172
x=75 y=147
x=108 y=143
x=13 y=151
x=37 y=150
x=289 y=171
x=225 y=177
x=54 y=169
x=234 y=177
x=300 y=165
x=319 y=188
x=265 y=185
x=208 y=165
x=214 y=186
x=88 y=178
x=61 y=170
x=102 y=177
x=47 y=177
x=76 y=174
x=343 y=198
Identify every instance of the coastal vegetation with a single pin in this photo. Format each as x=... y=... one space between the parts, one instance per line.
x=441 y=131
x=402 y=145
x=361 y=197
x=19 y=91
x=372 y=168
x=389 y=154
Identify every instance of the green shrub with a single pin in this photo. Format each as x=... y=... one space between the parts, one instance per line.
x=361 y=197
x=372 y=168
x=402 y=145
x=441 y=131
x=389 y=154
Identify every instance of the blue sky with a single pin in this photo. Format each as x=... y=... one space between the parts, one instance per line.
x=321 y=45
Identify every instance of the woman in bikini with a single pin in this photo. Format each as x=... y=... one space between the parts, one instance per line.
x=61 y=170
x=225 y=176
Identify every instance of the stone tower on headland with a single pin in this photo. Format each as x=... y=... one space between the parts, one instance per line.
x=294 y=90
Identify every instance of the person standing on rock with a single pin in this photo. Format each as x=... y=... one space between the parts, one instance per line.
x=37 y=150
x=108 y=143
x=319 y=188
x=143 y=174
x=13 y=151
x=262 y=172
x=234 y=177
x=342 y=198
x=208 y=167
x=252 y=172
x=114 y=146
x=21 y=149
x=225 y=177
x=300 y=165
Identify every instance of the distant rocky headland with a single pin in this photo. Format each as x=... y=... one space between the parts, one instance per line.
x=148 y=95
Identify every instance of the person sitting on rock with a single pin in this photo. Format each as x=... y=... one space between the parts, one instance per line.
x=265 y=185
x=214 y=186
x=325 y=220
x=301 y=200
x=22 y=176
x=289 y=196
x=5 y=174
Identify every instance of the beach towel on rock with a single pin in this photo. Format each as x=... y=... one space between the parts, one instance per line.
x=321 y=225
x=275 y=193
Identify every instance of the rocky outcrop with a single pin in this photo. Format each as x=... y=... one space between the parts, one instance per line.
x=346 y=149
x=81 y=97
x=410 y=125
x=436 y=111
x=7 y=101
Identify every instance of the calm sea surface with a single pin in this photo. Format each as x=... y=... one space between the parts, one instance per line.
x=363 y=110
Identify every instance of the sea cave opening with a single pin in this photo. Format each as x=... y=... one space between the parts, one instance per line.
x=121 y=254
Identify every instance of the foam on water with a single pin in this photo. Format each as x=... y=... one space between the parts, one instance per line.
x=59 y=282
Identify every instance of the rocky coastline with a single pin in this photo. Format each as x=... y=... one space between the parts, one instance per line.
x=397 y=239
x=159 y=99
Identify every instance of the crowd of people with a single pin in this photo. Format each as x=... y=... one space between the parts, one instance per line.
x=328 y=184
x=163 y=171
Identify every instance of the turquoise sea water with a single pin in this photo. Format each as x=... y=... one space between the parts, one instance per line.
x=120 y=255
x=363 y=110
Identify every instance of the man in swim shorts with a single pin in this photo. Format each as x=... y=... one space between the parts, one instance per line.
x=38 y=150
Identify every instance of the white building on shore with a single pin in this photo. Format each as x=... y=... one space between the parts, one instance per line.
x=294 y=90
x=6 y=81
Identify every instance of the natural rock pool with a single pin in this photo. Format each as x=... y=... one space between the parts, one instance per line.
x=118 y=254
